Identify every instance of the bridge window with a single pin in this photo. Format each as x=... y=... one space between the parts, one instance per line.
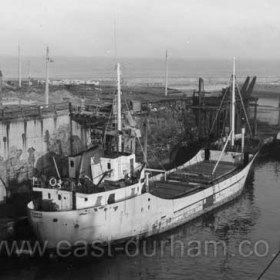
x=59 y=197
x=108 y=165
x=98 y=201
x=71 y=163
x=133 y=192
x=49 y=195
x=111 y=198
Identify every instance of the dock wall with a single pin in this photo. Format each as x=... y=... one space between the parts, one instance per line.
x=25 y=140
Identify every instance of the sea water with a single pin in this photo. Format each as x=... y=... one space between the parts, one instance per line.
x=236 y=241
x=142 y=70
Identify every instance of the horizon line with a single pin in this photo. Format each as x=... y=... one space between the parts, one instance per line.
x=144 y=57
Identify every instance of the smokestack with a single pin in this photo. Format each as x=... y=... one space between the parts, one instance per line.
x=200 y=85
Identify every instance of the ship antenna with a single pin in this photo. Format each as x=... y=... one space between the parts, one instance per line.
x=115 y=39
x=119 y=104
x=47 y=77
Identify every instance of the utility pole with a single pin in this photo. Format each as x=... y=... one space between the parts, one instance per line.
x=47 y=77
x=28 y=73
x=233 y=105
x=166 y=73
x=19 y=67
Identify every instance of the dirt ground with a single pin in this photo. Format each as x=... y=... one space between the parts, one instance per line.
x=35 y=94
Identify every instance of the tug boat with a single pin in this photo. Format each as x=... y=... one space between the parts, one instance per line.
x=171 y=198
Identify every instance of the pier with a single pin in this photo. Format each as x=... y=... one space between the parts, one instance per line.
x=12 y=112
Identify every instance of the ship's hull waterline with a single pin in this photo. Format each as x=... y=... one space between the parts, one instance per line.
x=144 y=215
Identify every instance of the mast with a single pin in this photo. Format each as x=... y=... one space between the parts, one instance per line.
x=19 y=67
x=233 y=105
x=166 y=73
x=47 y=77
x=119 y=113
x=146 y=141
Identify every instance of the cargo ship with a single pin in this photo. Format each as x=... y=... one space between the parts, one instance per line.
x=213 y=177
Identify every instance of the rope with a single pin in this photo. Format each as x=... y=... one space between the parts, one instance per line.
x=243 y=107
x=219 y=109
x=268 y=266
x=107 y=124
x=141 y=147
x=224 y=122
x=158 y=160
x=125 y=101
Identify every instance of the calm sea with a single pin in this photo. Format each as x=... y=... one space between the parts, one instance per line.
x=142 y=70
x=247 y=229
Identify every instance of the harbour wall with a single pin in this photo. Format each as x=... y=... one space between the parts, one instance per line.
x=25 y=144
x=173 y=134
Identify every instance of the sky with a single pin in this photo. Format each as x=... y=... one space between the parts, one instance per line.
x=142 y=28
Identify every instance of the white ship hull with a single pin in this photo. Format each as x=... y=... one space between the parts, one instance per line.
x=142 y=216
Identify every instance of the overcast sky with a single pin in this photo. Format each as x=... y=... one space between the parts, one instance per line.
x=144 y=28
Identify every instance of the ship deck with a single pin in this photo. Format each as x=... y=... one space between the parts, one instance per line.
x=192 y=179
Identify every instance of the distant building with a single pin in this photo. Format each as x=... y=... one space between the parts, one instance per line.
x=136 y=105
